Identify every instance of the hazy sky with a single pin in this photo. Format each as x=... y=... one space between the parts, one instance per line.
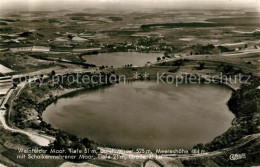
x=131 y=4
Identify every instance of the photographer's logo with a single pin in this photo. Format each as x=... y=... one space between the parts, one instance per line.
x=235 y=157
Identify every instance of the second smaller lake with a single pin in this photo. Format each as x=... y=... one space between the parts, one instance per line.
x=119 y=59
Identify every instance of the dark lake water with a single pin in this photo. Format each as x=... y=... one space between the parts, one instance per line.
x=145 y=114
x=119 y=59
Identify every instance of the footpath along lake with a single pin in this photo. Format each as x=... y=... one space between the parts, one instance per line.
x=145 y=114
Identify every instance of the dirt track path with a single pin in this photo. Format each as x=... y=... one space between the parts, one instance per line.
x=41 y=140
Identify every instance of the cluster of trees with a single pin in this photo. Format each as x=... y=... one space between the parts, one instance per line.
x=163 y=58
x=53 y=21
x=104 y=67
x=166 y=55
x=178 y=63
x=228 y=69
x=202 y=49
x=129 y=65
x=223 y=49
x=95 y=52
x=73 y=146
x=201 y=66
x=148 y=41
x=24 y=103
x=28 y=101
x=244 y=103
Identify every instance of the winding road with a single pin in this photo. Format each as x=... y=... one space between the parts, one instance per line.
x=41 y=140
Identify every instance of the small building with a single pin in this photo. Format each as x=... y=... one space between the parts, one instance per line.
x=4 y=70
x=79 y=39
x=86 y=50
x=5 y=79
x=21 y=49
x=40 y=49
